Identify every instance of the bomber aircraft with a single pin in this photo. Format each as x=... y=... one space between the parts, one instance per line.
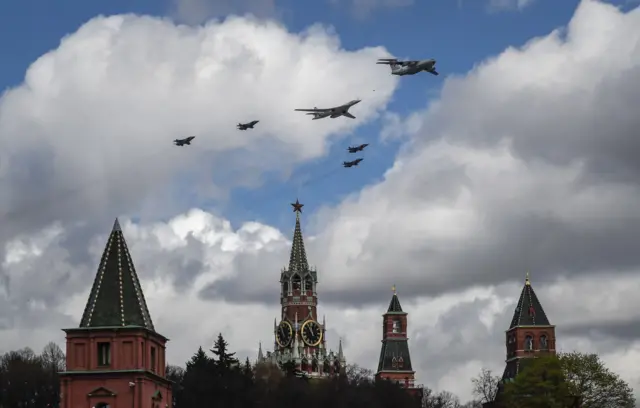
x=182 y=142
x=409 y=67
x=245 y=126
x=342 y=110
x=352 y=163
x=355 y=149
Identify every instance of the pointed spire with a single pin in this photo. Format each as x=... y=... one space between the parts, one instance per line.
x=529 y=311
x=260 y=355
x=116 y=298
x=298 y=258
x=394 y=305
x=340 y=353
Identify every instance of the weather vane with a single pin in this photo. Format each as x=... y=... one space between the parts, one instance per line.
x=393 y=288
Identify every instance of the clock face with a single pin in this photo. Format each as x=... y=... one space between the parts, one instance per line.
x=284 y=333
x=311 y=333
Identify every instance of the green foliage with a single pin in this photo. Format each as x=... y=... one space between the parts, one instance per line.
x=223 y=358
x=210 y=382
x=567 y=380
x=540 y=384
x=594 y=383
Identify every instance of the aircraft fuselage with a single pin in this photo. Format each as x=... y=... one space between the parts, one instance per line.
x=424 y=65
x=335 y=112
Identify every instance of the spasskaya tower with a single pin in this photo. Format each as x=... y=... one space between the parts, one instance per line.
x=299 y=336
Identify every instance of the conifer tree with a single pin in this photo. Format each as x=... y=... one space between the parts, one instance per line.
x=223 y=359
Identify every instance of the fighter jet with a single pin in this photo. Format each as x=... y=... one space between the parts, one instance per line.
x=352 y=163
x=182 y=142
x=245 y=126
x=409 y=67
x=355 y=149
x=342 y=110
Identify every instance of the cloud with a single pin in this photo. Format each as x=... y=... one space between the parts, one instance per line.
x=199 y=11
x=96 y=116
x=526 y=162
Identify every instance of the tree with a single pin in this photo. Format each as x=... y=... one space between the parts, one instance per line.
x=485 y=386
x=196 y=383
x=442 y=399
x=223 y=359
x=290 y=369
x=53 y=357
x=597 y=387
x=27 y=380
x=358 y=375
x=540 y=384
x=267 y=374
x=247 y=369
x=176 y=375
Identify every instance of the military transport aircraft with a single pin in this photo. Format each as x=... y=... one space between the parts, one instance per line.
x=245 y=126
x=342 y=110
x=355 y=149
x=182 y=142
x=352 y=163
x=409 y=67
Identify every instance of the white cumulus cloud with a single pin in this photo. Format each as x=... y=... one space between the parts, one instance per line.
x=529 y=161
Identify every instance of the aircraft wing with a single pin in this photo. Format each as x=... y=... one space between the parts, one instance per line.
x=312 y=110
x=347 y=114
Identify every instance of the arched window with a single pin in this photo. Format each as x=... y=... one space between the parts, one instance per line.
x=304 y=365
x=528 y=343
x=394 y=363
x=396 y=326
x=308 y=283
x=326 y=367
x=285 y=287
x=336 y=367
x=544 y=343
x=314 y=365
x=296 y=282
x=400 y=362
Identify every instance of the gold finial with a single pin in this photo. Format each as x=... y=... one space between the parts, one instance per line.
x=393 y=288
x=526 y=280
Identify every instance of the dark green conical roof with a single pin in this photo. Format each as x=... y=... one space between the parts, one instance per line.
x=529 y=311
x=116 y=298
x=298 y=258
x=394 y=305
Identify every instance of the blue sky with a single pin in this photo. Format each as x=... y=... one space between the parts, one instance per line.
x=457 y=36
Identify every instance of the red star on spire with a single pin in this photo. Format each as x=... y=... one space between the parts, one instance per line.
x=297 y=207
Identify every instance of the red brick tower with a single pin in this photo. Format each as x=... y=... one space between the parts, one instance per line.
x=300 y=337
x=115 y=359
x=530 y=333
x=395 y=360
